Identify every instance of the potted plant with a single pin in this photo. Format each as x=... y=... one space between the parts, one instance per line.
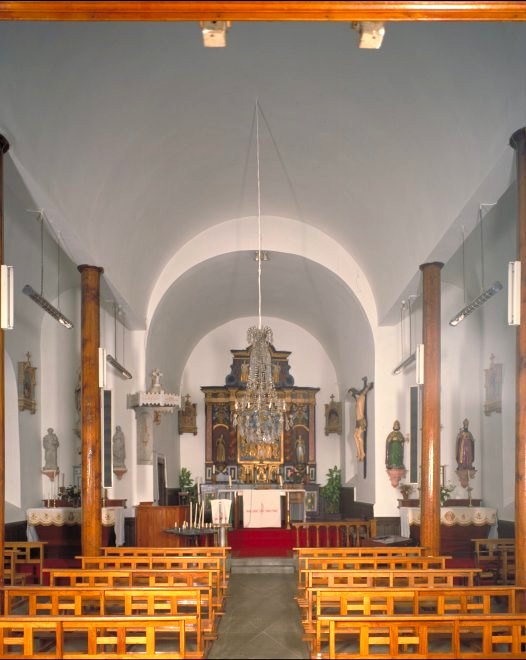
x=331 y=491
x=187 y=486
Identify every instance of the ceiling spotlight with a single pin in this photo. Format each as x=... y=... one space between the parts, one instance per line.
x=371 y=33
x=214 y=33
x=47 y=306
x=261 y=256
x=480 y=300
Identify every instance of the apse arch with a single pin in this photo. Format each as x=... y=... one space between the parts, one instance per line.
x=281 y=234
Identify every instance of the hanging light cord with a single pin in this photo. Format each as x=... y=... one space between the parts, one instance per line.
x=259 y=214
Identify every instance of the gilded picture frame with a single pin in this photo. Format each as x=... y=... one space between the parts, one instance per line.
x=26 y=386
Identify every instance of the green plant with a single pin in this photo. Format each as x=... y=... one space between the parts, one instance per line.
x=186 y=481
x=331 y=491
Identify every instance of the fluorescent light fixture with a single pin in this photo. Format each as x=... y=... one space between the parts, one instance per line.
x=475 y=304
x=102 y=367
x=420 y=364
x=117 y=365
x=6 y=293
x=409 y=360
x=47 y=306
x=371 y=33
x=514 y=293
x=214 y=33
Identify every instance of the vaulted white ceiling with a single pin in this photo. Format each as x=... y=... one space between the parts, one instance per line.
x=135 y=139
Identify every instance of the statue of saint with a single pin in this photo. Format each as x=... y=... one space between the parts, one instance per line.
x=300 y=450
x=220 y=450
x=50 y=450
x=394 y=448
x=465 y=450
x=119 y=448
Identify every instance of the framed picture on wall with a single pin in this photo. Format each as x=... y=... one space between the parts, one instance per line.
x=208 y=473
x=312 y=473
x=232 y=472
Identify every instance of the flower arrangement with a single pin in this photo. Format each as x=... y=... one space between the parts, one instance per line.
x=296 y=476
x=70 y=493
x=405 y=490
x=445 y=492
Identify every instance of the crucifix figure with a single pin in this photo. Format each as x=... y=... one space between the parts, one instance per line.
x=361 y=419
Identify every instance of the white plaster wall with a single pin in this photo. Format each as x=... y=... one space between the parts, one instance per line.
x=210 y=363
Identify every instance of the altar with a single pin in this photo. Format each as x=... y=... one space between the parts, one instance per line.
x=60 y=528
x=458 y=525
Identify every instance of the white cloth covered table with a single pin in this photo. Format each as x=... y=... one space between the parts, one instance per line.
x=262 y=508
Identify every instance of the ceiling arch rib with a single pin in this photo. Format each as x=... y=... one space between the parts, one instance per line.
x=282 y=235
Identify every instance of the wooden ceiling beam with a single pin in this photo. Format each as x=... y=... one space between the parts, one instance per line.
x=260 y=10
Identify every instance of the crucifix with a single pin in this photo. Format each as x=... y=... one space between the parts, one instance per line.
x=360 y=437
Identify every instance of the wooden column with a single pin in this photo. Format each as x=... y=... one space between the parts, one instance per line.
x=518 y=142
x=430 y=479
x=90 y=411
x=4 y=146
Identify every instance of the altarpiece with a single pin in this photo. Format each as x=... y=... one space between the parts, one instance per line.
x=229 y=454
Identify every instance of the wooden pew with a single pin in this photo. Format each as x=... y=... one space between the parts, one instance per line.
x=11 y=574
x=353 y=563
x=391 y=602
x=143 y=551
x=395 y=578
x=28 y=554
x=73 y=577
x=424 y=636
x=96 y=637
x=101 y=601
x=496 y=558
x=362 y=551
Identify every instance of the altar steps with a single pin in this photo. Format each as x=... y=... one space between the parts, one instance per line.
x=284 y=565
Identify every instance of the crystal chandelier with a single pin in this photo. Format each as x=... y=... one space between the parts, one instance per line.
x=259 y=414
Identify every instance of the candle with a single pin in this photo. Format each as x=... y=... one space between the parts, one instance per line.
x=213 y=469
x=191 y=513
x=281 y=480
x=198 y=490
x=230 y=481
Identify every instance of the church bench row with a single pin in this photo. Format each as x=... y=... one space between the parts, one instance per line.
x=361 y=551
x=28 y=556
x=337 y=534
x=425 y=636
x=223 y=553
x=153 y=562
x=128 y=601
x=76 y=577
x=367 y=563
x=390 y=602
x=496 y=558
x=413 y=578
x=95 y=637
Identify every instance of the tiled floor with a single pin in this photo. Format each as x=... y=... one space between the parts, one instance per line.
x=261 y=619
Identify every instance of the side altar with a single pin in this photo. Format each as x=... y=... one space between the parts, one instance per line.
x=231 y=457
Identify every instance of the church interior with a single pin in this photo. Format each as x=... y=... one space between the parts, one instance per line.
x=174 y=173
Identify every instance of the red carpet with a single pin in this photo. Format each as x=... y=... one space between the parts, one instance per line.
x=262 y=542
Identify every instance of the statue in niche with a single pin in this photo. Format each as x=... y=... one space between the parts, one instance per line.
x=220 y=450
x=51 y=444
x=300 y=450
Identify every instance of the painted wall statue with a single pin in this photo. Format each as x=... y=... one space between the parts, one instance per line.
x=394 y=454
x=465 y=455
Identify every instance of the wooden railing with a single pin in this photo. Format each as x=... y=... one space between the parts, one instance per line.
x=345 y=533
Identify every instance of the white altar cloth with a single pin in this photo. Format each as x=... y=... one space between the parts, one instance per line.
x=111 y=516
x=450 y=515
x=262 y=508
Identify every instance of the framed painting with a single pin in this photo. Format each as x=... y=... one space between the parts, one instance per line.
x=27 y=385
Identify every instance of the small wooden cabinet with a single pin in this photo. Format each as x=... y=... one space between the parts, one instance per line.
x=152 y=520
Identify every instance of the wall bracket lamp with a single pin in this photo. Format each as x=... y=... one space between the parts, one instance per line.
x=514 y=293
x=112 y=360
x=214 y=33
x=6 y=297
x=371 y=33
